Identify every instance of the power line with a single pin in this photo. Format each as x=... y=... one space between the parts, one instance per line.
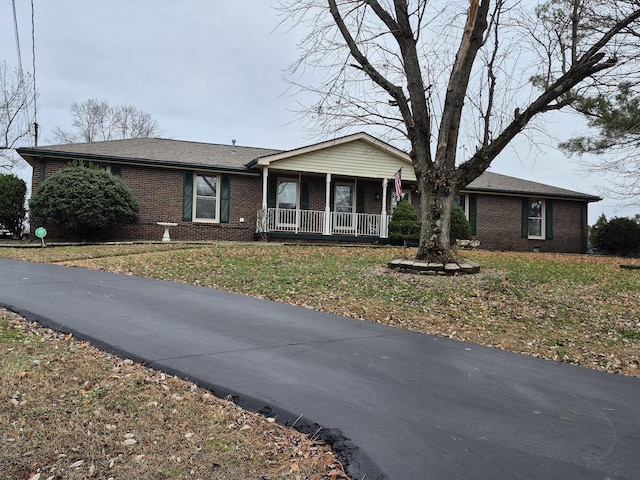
x=15 y=27
x=35 y=90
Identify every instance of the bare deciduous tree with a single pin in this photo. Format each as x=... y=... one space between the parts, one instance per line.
x=15 y=111
x=95 y=120
x=457 y=80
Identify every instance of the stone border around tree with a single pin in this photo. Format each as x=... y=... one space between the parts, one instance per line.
x=423 y=268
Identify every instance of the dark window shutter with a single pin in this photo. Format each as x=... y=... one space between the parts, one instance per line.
x=473 y=214
x=525 y=218
x=332 y=195
x=360 y=191
x=187 y=197
x=225 y=197
x=304 y=196
x=272 y=191
x=116 y=170
x=42 y=170
x=548 y=226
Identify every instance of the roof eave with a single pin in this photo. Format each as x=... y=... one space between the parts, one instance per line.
x=518 y=193
x=32 y=152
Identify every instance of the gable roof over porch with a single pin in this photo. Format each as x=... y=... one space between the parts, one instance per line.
x=358 y=155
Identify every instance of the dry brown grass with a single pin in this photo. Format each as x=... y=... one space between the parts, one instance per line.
x=577 y=309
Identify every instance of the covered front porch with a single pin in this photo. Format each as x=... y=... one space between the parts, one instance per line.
x=316 y=222
x=344 y=188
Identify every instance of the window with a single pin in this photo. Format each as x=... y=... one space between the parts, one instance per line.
x=287 y=194
x=461 y=201
x=287 y=201
x=535 y=219
x=395 y=201
x=206 y=199
x=344 y=206
x=114 y=170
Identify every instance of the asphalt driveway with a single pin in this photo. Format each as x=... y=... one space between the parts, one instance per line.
x=399 y=404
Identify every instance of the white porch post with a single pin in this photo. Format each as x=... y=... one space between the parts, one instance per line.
x=384 y=230
x=327 y=207
x=263 y=215
x=265 y=177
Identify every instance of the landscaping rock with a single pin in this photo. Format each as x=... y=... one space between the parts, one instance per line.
x=451 y=268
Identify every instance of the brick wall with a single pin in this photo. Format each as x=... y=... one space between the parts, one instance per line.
x=159 y=195
x=499 y=226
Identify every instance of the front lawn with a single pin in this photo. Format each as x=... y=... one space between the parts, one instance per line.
x=577 y=309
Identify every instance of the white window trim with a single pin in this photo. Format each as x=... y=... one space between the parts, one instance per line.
x=353 y=194
x=289 y=180
x=466 y=204
x=353 y=206
x=278 y=217
x=194 y=211
x=542 y=217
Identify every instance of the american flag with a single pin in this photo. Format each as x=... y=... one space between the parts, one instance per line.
x=398 y=181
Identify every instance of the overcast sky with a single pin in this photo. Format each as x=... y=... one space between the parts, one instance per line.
x=207 y=71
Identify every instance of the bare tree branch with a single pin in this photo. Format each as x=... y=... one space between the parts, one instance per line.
x=95 y=120
x=15 y=111
x=436 y=70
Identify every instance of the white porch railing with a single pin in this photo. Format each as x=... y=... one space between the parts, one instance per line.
x=313 y=221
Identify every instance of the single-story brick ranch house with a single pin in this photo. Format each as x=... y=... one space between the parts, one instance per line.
x=340 y=190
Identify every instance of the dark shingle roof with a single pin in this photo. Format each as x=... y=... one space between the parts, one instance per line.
x=490 y=182
x=179 y=153
x=158 y=151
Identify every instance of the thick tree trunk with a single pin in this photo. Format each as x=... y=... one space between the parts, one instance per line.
x=436 y=201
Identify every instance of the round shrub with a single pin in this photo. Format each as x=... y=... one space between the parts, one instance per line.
x=404 y=225
x=620 y=236
x=85 y=202
x=13 y=191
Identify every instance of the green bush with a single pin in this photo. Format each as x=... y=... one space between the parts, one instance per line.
x=13 y=191
x=460 y=226
x=594 y=231
x=404 y=225
x=85 y=202
x=620 y=236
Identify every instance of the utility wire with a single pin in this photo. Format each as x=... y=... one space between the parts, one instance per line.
x=15 y=28
x=35 y=90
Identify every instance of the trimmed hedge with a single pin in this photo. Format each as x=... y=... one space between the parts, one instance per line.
x=85 y=202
